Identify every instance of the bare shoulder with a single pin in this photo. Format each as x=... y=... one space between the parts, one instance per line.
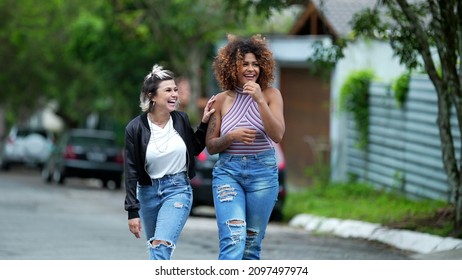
x=272 y=93
x=220 y=98
x=272 y=90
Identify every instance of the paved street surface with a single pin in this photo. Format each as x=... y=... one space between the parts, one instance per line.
x=82 y=221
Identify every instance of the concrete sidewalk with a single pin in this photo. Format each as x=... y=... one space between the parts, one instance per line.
x=425 y=246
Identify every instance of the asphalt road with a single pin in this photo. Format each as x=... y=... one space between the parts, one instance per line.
x=82 y=221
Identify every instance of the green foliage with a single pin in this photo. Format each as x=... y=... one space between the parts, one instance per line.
x=319 y=172
x=399 y=179
x=244 y=8
x=370 y=23
x=87 y=32
x=354 y=98
x=91 y=55
x=400 y=88
x=325 y=58
x=360 y=201
x=367 y=23
x=26 y=52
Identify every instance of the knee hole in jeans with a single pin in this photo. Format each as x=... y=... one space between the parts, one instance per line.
x=156 y=243
x=235 y=222
x=252 y=232
x=235 y=227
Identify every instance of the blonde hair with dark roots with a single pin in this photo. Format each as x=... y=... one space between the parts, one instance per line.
x=151 y=84
x=230 y=58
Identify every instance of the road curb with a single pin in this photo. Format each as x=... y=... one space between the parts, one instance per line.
x=417 y=242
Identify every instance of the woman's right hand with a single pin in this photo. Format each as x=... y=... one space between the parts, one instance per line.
x=135 y=226
x=208 y=111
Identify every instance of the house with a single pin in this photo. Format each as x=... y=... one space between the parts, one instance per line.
x=308 y=98
x=323 y=125
x=308 y=108
x=315 y=132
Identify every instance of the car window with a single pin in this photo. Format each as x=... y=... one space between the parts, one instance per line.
x=26 y=132
x=91 y=141
x=22 y=133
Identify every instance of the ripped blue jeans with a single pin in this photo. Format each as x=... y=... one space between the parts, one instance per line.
x=245 y=190
x=164 y=208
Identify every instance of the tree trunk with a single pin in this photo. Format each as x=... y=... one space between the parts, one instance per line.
x=195 y=59
x=445 y=24
x=448 y=153
x=194 y=55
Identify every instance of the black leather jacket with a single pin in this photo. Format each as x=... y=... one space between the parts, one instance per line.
x=137 y=135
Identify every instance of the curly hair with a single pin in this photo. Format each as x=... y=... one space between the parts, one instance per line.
x=230 y=59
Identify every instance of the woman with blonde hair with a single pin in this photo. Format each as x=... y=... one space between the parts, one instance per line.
x=160 y=146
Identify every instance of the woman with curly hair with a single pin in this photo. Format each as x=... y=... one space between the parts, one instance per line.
x=248 y=118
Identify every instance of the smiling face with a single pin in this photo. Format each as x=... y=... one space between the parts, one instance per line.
x=249 y=71
x=167 y=95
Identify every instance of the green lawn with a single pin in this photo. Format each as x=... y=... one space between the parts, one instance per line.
x=358 y=201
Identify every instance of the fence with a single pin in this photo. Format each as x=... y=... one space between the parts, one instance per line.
x=404 y=151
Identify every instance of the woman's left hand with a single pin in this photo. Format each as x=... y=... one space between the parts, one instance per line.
x=208 y=111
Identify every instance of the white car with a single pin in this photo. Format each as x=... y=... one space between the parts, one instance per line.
x=26 y=146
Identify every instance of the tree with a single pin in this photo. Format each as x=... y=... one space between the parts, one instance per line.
x=188 y=30
x=415 y=29
x=112 y=52
x=89 y=55
x=26 y=53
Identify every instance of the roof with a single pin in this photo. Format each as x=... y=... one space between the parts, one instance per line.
x=329 y=17
x=294 y=49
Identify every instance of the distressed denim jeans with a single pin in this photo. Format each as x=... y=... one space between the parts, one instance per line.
x=164 y=208
x=245 y=190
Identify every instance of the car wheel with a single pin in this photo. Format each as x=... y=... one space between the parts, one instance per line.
x=112 y=184
x=58 y=176
x=276 y=215
x=118 y=183
x=4 y=165
x=46 y=174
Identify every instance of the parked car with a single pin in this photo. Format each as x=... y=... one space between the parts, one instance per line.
x=26 y=146
x=85 y=153
x=202 y=182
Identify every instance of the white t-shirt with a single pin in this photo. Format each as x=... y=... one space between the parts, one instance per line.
x=166 y=151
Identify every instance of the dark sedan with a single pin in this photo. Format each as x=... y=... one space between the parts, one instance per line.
x=202 y=182
x=85 y=153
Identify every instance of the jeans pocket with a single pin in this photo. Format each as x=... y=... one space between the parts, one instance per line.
x=268 y=161
x=143 y=186
x=180 y=181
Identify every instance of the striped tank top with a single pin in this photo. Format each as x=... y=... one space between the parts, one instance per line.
x=244 y=113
